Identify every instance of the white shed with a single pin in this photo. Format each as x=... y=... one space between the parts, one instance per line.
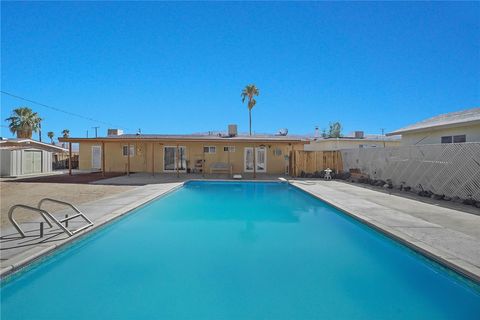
x=19 y=157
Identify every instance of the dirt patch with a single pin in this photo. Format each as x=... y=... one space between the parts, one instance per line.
x=30 y=193
x=76 y=178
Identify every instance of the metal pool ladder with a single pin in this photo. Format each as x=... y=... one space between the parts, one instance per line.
x=45 y=214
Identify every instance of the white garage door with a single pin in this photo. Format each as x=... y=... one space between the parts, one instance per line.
x=32 y=161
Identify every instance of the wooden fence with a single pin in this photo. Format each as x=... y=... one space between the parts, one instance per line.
x=313 y=161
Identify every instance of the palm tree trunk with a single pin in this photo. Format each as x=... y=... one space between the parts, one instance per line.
x=250 y=119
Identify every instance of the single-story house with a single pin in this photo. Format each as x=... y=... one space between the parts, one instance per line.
x=199 y=153
x=19 y=157
x=356 y=140
x=454 y=127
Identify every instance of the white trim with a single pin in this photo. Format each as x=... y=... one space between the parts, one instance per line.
x=214 y=147
x=265 y=161
x=256 y=159
x=175 y=159
x=132 y=147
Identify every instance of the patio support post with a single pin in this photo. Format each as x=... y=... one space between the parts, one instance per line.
x=153 y=158
x=178 y=156
x=254 y=163
x=203 y=159
x=70 y=158
x=229 y=166
x=103 y=158
x=128 y=159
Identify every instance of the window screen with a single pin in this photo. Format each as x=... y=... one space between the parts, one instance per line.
x=460 y=138
x=447 y=139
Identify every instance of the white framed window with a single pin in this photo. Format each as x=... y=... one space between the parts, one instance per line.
x=229 y=148
x=454 y=139
x=460 y=138
x=209 y=149
x=125 y=150
x=447 y=139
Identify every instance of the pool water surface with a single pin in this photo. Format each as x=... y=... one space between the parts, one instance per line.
x=238 y=250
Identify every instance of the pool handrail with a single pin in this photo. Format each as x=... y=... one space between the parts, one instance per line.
x=45 y=214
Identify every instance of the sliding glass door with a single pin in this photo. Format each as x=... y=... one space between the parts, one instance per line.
x=174 y=157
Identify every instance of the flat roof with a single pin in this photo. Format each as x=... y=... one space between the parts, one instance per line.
x=452 y=119
x=378 y=138
x=191 y=138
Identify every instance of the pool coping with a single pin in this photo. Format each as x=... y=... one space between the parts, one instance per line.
x=25 y=259
x=458 y=265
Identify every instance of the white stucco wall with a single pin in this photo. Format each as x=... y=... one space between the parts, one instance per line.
x=472 y=133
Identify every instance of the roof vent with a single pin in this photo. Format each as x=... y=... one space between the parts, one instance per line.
x=232 y=130
x=359 y=135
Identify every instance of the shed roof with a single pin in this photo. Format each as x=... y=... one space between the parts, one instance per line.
x=452 y=119
x=20 y=143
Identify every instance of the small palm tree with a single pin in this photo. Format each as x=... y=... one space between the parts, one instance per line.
x=66 y=133
x=24 y=122
x=50 y=134
x=249 y=92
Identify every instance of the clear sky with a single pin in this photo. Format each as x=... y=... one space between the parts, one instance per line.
x=180 y=67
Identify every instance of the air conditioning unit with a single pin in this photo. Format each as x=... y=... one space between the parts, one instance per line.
x=114 y=132
x=359 y=135
x=232 y=130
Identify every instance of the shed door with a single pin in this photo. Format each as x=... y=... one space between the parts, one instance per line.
x=32 y=161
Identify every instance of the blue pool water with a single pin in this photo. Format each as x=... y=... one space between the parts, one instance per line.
x=238 y=251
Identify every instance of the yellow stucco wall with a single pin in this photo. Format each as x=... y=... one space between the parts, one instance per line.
x=142 y=160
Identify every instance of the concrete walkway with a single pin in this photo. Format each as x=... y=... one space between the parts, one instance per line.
x=143 y=178
x=449 y=236
x=17 y=252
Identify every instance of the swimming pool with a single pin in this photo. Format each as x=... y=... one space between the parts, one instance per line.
x=238 y=250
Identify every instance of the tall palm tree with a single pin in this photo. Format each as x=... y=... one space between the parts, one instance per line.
x=66 y=134
x=24 y=122
x=249 y=92
x=50 y=134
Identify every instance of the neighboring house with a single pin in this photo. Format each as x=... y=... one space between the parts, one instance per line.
x=20 y=157
x=186 y=153
x=454 y=127
x=357 y=140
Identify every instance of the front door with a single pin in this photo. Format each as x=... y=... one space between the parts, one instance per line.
x=260 y=159
x=96 y=157
x=173 y=158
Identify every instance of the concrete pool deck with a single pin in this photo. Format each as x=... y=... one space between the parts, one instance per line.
x=449 y=236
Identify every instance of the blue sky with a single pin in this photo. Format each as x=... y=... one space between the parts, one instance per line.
x=180 y=67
